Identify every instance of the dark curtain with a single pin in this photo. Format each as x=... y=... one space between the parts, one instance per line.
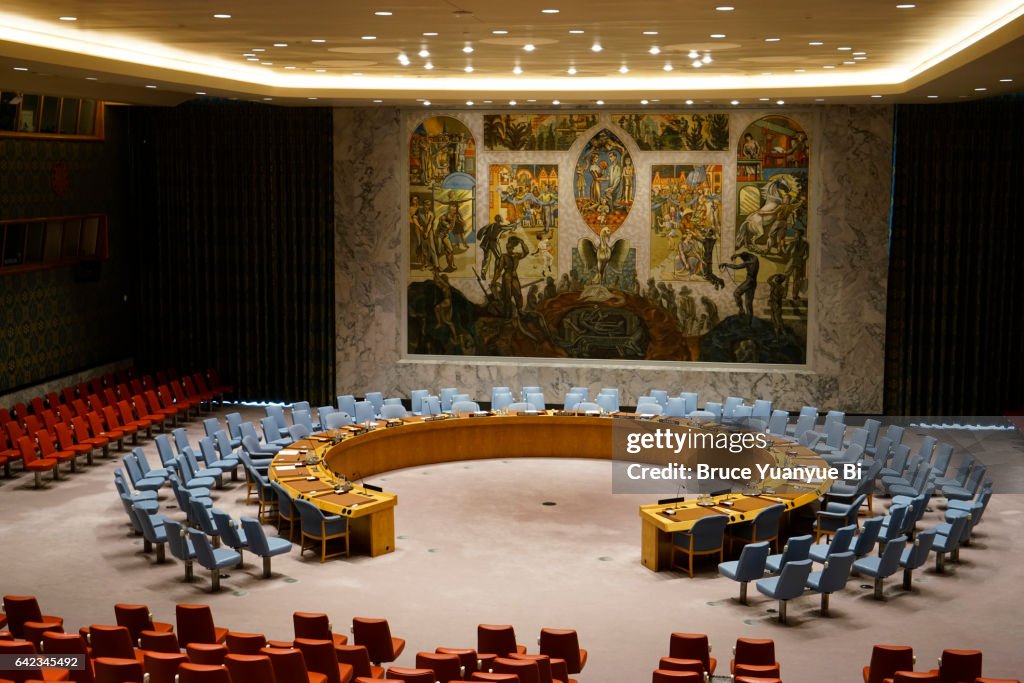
x=955 y=325
x=234 y=213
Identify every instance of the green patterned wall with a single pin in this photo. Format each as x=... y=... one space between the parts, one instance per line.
x=51 y=325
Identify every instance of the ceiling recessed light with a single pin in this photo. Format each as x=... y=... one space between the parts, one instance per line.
x=655 y=50
x=576 y=31
x=289 y=68
x=93 y=78
x=500 y=32
x=252 y=59
x=248 y=54
x=280 y=44
x=819 y=99
x=151 y=87
x=69 y=18
x=689 y=101
x=980 y=89
x=556 y=102
x=200 y=92
x=599 y=103
x=424 y=53
x=933 y=97
x=369 y=37
x=1006 y=80
x=706 y=58
x=258 y=49
x=859 y=59
x=267 y=63
x=906 y=6
x=383 y=13
x=468 y=49
x=430 y=33
x=667 y=67
x=468 y=69
x=725 y=8
x=267 y=99
x=426 y=103
x=829 y=66
x=378 y=101
x=861 y=52
x=549 y=11
x=650 y=33
x=799 y=71
x=643 y=101
x=850 y=63
x=529 y=47
x=469 y=103
x=780 y=102
x=734 y=102
x=693 y=54
x=21 y=68
x=320 y=71
x=318 y=40
x=763 y=99
x=517 y=70
x=623 y=69
x=428 y=66
x=221 y=16
x=815 y=43
x=512 y=103
x=876 y=97
x=596 y=47
x=312 y=98
x=772 y=40
x=844 y=48
x=531 y=100
x=717 y=35
x=403 y=59
x=571 y=71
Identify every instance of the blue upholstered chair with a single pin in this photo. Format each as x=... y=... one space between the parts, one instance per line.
x=446 y=396
x=261 y=546
x=789 y=584
x=836 y=515
x=231 y=533
x=536 y=399
x=832 y=434
x=234 y=423
x=660 y=395
x=336 y=420
x=144 y=466
x=287 y=515
x=651 y=407
x=832 y=578
x=915 y=555
x=213 y=459
x=347 y=404
x=675 y=407
x=750 y=566
x=188 y=478
x=416 y=397
x=392 y=411
x=201 y=517
x=608 y=402
x=211 y=426
x=900 y=456
x=846 y=491
x=121 y=484
x=796 y=548
x=764 y=527
x=841 y=540
x=153 y=531
x=257 y=447
x=882 y=566
x=864 y=543
x=365 y=412
x=432 y=405
x=943 y=456
x=968 y=490
x=582 y=391
x=459 y=407
x=778 y=422
x=571 y=400
x=318 y=529
x=959 y=477
x=302 y=418
x=376 y=399
x=949 y=542
x=191 y=463
x=525 y=391
x=276 y=412
x=138 y=481
x=502 y=400
x=706 y=536
x=272 y=434
x=690 y=399
x=180 y=546
x=805 y=412
x=212 y=558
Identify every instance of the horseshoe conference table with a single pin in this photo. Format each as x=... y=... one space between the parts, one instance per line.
x=321 y=468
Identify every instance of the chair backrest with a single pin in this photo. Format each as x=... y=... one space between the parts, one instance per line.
x=203 y=673
x=766 y=524
x=117 y=670
x=111 y=641
x=536 y=399
x=255 y=536
x=752 y=561
x=796 y=548
x=392 y=411
x=660 y=395
x=690 y=646
x=311 y=517
x=365 y=411
x=777 y=423
x=311 y=625
x=347 y=404
x=300 y=431
x=900 y=453
x=690 y=399
x=250 y=668
x=54 y=643
x=793 y=579
x=416 y=397
x=709 y=532
x=20 y=609
x=562 y=644
x=757 y=651
x=836 y=572
x=495 y=639
x=890 y=558
x=445 y=667
x=608 y=402
x=571 y=400
x=162 y=667
x=649 y=409
x=177 y=542
x=289 y=664
x=527 y=670
x=886 y=660
x=842 y=539
x=303 y=418
x=804 y=423
x=337 y=419
x=358 y=658
x=375 y=635
x=671 y=676
x=675 y=407
x=919 y=550
x=194 y=624
x=276 y=411
x=465 y=407
x=320 y=657
x=376 y=399
x=959 y=665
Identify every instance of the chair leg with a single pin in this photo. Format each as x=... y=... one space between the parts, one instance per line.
x=266 y=567
x=940 y=563
x=38 y=479
x=743 y=592
x=691 y=564
x=147 y=547
x=782 y=611
x=160 y=557
x=56 y=472
x=824 y=604
x=189 y=574
x=908 y=578
x=215 y=580
x=878 y=588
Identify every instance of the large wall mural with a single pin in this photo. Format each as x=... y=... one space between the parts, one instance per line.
x=639 y=265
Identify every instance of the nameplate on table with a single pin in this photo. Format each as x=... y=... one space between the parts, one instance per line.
x=289 y=451
x=345 y=499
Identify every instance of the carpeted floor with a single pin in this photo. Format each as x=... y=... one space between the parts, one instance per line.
x=476 y=544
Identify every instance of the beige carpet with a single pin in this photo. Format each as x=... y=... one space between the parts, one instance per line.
x=476 y=544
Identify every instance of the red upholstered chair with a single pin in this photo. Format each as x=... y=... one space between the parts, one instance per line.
x=375 y=634
x=914 y=677
x=23 y=648
x=32 y=462
x=445 y=667
x=959 y=665
x=320 y=657
x=563 y=644
x=113 y=422
x=202 y=673
x=756 y=671
x=35 y=630
x=8 y=454
x=20 y=609
x=159 y=641
x=215 y=384
x=66 y=441
x=114 y=670
x=48 y=449
x=316 y=626
x=494 y=677
x=126 y=412
x=138 y=618
x=56 y=643
x=112 y=642
x=550 y=669
x=290 y=666
x=162 y=667
x=527 y=671
x=674 y=664
x=497 y=639
x=468 y=658
x=756 y=679
x=396 y=673
x=667 y=676
x=753 y=652
x=244 y=644
x=97 y=428
x=358 y=657
x=206 y=653
x=250 y=668
x=692 y=646
x=84 y=434
x=195 y=625
x=886 y=660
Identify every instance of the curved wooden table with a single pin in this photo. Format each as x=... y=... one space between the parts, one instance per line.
x=321 y=467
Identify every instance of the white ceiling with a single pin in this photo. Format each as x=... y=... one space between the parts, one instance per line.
x=869 y=48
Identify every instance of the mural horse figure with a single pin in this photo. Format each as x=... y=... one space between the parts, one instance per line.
x=780 y=190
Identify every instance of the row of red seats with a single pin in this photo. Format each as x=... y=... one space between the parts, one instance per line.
x=895 y=664
x=51 y=436
x=689 y=660
x=200 y=650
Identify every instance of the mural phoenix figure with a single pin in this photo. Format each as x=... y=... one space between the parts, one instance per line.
x=600 y=256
